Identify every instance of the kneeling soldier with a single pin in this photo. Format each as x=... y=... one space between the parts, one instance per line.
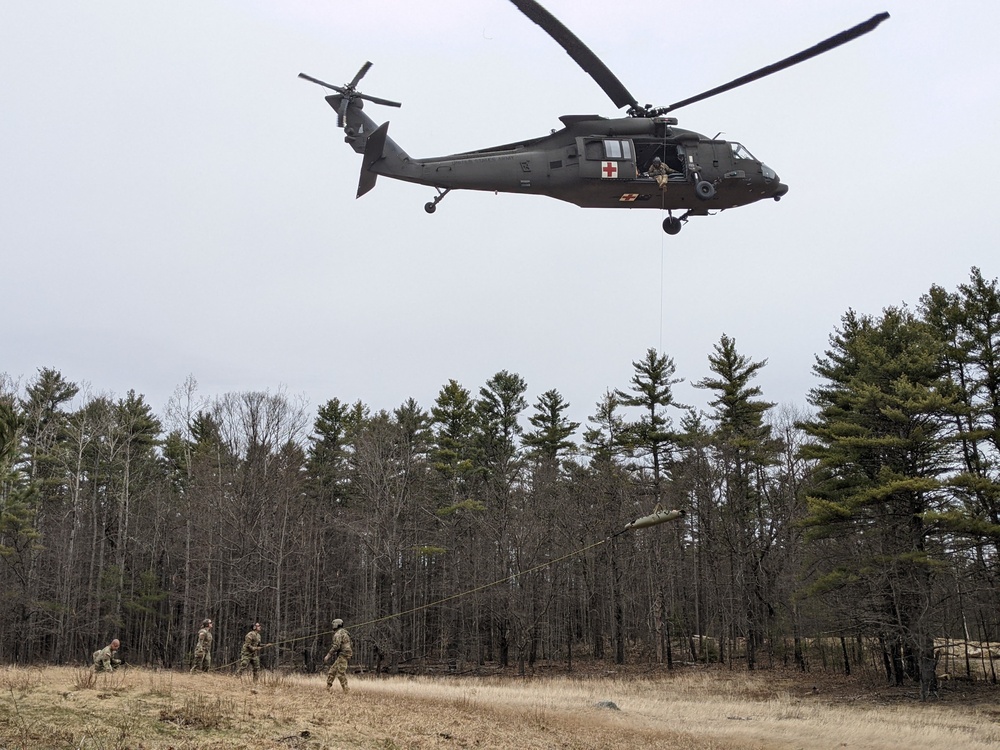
x=104 y=659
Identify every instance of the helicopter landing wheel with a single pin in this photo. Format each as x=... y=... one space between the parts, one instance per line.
x=672 y=225
x=705 y=190
x=431 y=206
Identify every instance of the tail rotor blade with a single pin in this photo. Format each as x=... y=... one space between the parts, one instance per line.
x=348 y=93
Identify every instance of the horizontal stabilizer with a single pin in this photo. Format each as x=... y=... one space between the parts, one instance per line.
x=374 y=147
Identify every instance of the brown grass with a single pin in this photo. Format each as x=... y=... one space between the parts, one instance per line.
x=682 y=710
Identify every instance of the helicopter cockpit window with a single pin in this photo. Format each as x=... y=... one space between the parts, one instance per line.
x=739 y=152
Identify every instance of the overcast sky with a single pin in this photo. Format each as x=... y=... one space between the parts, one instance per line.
x=176 y=202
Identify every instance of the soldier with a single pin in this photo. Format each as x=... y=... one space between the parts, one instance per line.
x=659 y=171
x=104 y=659
x=250 y=654
x=340 y=651
x=203 y=649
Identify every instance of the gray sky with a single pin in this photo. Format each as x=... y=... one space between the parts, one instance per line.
x=176 y=202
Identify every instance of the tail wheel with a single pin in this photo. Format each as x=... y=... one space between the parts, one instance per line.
x=672 y=225
x=704 y=190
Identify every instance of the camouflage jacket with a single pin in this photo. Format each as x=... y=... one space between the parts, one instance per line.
x=251 y=644
x=104 y=655
x=341 y=646
x=204 y=641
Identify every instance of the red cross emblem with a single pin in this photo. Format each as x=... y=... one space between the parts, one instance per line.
x=609 y=169
x=628 y=197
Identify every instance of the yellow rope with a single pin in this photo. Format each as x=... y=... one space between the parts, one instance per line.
x=485 y=586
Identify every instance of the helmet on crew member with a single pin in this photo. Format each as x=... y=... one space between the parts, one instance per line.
x=337 y=623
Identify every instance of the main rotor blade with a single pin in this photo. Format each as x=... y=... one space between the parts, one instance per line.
x=376 y=100
x=360 y=75
x=339 y=89
x=824 y=46
x=580 y=53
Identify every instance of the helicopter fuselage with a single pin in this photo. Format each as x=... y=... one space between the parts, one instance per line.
x=593 y=162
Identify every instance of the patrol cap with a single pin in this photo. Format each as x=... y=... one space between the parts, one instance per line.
x=337 y=623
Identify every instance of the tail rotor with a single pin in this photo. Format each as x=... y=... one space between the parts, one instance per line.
x=349 y=93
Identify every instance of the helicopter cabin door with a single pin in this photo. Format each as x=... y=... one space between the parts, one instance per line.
x=607 y=158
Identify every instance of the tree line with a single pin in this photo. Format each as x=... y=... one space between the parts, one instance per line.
x=484 y=531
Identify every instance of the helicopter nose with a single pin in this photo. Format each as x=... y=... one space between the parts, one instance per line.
x=771 y=179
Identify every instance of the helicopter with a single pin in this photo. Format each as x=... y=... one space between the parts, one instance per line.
x=592 y=161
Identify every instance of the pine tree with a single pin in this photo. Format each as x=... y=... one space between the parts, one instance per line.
x=453 y=454
x=652 y=393
x=882 y=442
x=330 y=445
x=498 y=431
x=745 y=449
x=19 y=537
x=550 y=438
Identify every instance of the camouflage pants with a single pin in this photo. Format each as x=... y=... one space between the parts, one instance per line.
x=338 y=671
x=202 y=661
x=248 y=659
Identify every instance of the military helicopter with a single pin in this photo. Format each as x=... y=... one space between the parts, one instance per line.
x=593 y=161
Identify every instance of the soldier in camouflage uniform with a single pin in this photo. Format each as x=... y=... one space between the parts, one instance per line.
x=203 y=650
x=659 y=171
x=104 y=659
x=250 y=654
x=339 y=652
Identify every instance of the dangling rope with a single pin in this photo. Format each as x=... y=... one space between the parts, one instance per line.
x=662 y=283
x=663 y=201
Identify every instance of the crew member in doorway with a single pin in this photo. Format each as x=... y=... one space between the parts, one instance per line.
x=659 y=171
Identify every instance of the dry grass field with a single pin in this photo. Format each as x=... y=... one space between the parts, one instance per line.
x=62 y=707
